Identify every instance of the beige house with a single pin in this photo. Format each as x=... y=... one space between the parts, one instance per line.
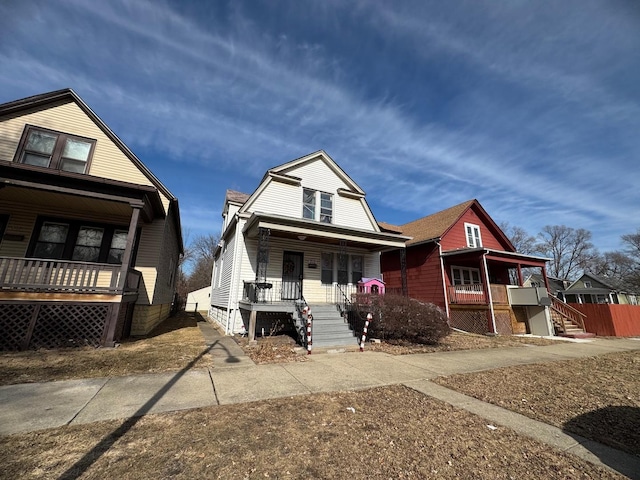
x=305 y=236
x=90 y=238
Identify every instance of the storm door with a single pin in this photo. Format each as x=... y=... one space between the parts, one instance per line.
x=292 y=275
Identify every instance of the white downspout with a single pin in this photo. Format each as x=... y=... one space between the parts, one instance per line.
x=486 y=275
x=233 y=276
x=444 y=282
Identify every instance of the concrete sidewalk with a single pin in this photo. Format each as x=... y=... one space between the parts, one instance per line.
x=236 y=379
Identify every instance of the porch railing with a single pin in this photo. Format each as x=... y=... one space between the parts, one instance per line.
x=43 y=275
x=499 y=294
x=574 y=316
x=467 y=294
x=263 y=292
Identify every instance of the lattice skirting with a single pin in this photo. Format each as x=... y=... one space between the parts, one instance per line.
x=52 y=325
x=472 y=321
x=477 y=321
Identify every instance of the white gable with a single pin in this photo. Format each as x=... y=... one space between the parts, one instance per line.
x=281 y=193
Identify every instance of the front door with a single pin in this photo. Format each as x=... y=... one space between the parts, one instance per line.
x=292 y=275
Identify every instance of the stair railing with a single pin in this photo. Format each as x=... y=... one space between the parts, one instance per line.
x=567 y=311
x=302 y=323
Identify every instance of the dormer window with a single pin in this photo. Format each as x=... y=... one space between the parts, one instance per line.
x=473 y=235
x=310 y=200
x=56 y=150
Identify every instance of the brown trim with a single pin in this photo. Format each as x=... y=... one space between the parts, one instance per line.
x=56 y=155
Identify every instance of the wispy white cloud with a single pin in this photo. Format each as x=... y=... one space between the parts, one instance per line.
x=231 y=99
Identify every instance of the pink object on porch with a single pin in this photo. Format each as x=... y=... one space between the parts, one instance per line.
x=371 y=285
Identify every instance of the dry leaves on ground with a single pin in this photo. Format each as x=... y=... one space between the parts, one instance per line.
x=381 y=433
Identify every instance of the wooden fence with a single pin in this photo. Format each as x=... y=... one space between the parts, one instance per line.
x=610 y=320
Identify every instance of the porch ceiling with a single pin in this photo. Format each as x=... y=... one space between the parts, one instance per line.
x=38 y=185
x=70 y=203
x=296 y=228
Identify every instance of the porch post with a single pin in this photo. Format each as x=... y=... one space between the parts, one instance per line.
x=114 y=310
x=520 y=281
x=252 y=326
x=485 y=271
x=544 y=277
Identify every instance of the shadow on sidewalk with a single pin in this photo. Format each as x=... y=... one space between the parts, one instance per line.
x=89 y=458
x=617 y=427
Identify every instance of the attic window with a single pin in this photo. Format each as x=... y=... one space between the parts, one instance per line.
x=50 y=149
x=309 y=202
x=587 y=284
x=473 y=235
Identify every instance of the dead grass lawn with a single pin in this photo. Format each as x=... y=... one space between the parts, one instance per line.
x=171 y=346
x=597 y=397
x=392 y=432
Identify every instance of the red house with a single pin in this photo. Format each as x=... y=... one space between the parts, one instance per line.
x=460 y=260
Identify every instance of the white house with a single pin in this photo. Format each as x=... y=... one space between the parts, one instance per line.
x=305 y=236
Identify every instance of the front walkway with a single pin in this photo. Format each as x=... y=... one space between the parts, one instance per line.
x=236 y=379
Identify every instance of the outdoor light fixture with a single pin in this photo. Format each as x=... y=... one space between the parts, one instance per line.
x=302 y=237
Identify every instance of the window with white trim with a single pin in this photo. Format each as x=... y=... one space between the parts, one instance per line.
x=309 y=204
x=465 y=276
x=60 y=151
x=473 y=235
x=311 y=198
x=587 y=284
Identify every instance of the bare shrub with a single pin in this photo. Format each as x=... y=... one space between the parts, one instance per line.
x=399 y=318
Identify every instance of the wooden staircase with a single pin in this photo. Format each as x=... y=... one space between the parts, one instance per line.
x=329 y=327
x=567 y=321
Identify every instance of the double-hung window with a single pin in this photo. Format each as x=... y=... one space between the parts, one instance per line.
x=309 y=204
x=56 y=150
x=465 y=276
x=78 y=241
x=326 y=207
x=473 y=235
x=310 y=199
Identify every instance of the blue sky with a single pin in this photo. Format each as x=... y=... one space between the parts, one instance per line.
x=531 y=107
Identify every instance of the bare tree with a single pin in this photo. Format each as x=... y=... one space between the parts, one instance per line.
x=570 y=250
x=631 y=242
x=520 y=238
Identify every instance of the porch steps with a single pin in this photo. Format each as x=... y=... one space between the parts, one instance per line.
x=329 y=328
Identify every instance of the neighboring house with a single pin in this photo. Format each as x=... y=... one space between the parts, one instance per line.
x=460 y=260
x=90 y=237
x=199 y=300
x=305 y=235
x=556 y=286
x=590 y=288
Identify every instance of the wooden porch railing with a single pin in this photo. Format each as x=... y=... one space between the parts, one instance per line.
x=467 y=294
x=499 y=294
x=575 y=316
x=33 y=274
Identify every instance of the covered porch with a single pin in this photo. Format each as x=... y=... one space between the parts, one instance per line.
x=67 y=254
x=299 y=262
x=482 y=291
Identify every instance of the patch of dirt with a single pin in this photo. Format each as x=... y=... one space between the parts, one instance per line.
x=273 y=349
x=382 y=433
x=596 y=397
x=173 y=345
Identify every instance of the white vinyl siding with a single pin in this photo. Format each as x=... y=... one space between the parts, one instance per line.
x=279 y=199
